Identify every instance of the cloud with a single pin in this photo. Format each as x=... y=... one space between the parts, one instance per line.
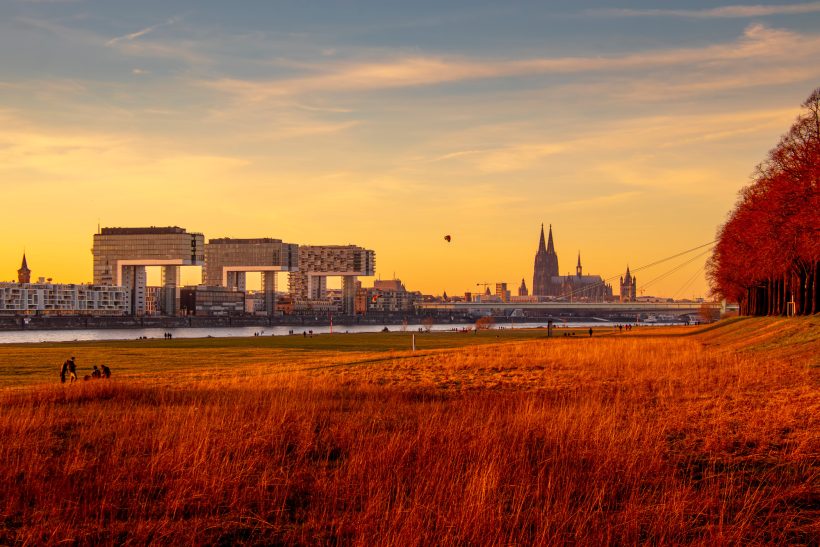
x=508 y=158
x=736 y=11
x=758 y=43
x=630 y=138
x=595 y=202
x=134 y=35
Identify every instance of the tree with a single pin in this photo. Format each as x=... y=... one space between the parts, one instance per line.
x=427 y=323
x=768 y=252
x=484 y=323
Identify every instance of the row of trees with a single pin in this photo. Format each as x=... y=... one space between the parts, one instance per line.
x=767 y=256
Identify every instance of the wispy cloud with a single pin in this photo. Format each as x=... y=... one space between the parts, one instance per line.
x=735 y=11
x=759 y=43
x=595 y=202
x=142 y=32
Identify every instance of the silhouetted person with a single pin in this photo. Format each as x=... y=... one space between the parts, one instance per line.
x=63 y=371
x=96 y=374
x=106 y=372
x=72 y=370
x=590 y=332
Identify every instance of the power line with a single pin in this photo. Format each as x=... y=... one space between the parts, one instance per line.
x=675 y=269
x=688 y=282
x=603 y=282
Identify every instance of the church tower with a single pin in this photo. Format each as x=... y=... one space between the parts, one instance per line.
x=522 y=290
x=629 y=285
x=546 y=267
x=24 y=274
x=578 y=269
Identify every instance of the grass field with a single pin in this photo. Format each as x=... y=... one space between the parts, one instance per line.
x=669 y=436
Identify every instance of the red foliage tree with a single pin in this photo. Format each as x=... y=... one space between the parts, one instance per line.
x=768 y=252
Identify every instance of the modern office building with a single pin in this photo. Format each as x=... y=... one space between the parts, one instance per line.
x=318 y=262
x=211 y=301
x=122 y=254
x=227 y=260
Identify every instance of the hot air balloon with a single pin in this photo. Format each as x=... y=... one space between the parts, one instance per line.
x=447 y=238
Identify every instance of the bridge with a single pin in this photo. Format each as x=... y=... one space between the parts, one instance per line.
x=579 y=309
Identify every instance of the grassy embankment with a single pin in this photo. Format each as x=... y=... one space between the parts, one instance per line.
x=662 y=436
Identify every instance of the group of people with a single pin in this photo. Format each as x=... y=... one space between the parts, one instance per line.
x=69 y=372
x=622 y=327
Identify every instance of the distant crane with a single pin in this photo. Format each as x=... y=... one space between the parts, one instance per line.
x=485 y=285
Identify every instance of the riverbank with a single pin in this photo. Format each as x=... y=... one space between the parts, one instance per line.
x=53 y=322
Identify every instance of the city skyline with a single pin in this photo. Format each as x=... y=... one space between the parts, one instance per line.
x=628 y=128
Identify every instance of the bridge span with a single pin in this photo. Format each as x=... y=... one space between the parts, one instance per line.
x=584 y=309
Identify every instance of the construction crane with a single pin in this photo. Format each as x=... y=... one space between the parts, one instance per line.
x=485 y=285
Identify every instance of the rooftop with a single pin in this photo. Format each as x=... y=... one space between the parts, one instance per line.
x=145 y=230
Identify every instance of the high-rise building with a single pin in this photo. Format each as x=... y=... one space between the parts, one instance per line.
x=227 y=260
x=318 y=262
x=122 y=254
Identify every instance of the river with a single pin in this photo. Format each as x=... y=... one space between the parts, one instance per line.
x=83 y=335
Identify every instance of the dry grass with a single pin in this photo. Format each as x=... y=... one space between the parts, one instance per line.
x=666 y=439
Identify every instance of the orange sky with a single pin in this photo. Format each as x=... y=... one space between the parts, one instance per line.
x=633 y=149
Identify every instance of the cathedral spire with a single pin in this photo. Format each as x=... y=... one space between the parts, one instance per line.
x=550 y=246
x=541 y=245
x=578 y=269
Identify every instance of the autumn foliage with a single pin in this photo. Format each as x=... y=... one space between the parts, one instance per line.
x=767 y=256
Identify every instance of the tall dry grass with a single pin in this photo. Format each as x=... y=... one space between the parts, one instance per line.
x=602 y=441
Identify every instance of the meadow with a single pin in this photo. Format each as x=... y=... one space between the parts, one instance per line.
x=702 y=435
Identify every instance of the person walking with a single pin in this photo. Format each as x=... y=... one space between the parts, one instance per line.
x=106 y=372
x=72 y=370
x=590 y=332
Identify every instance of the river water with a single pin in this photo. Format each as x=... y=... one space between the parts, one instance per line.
x=80 y=335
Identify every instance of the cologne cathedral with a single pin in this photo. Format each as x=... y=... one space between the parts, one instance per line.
x=547 y=282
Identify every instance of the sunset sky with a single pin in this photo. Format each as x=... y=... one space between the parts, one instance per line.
x=389 y=124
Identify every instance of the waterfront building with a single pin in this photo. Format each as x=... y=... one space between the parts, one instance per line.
x=45 y=298
x=387 y=296
x=211 y=301
x=629 y=287
x=318 y=262
x=227 y=260
x=122 y=254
